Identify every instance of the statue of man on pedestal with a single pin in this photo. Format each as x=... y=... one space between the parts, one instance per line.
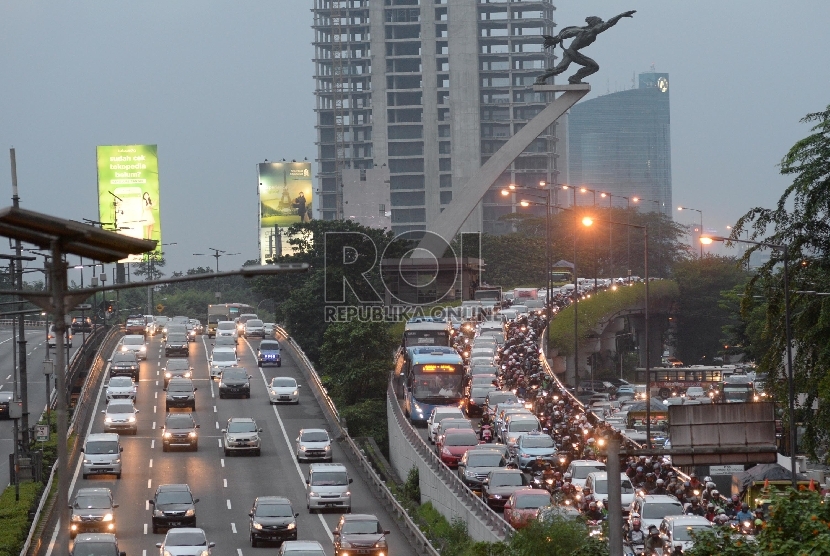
x=582 y=37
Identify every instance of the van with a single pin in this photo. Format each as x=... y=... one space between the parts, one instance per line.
x=52 y=339
x=518 y=424
x=102 y=455
x=327 y=486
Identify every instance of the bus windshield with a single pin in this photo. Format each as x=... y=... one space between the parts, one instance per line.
x=439 y=382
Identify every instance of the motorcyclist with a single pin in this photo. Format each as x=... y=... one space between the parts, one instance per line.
x=710 y=512
x=744 y=514
x=659 y=487
x=594 y=513
x=635 y=535
x=653 y=540
x=695 y=508
x=537 y=465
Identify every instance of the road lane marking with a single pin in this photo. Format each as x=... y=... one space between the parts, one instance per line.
x=154 y=408
x=147 y=505
x=151 y=462
x=8 y=377
x=145 y=528
x=214 y=409
x=149 y=483
x=220 y=441
x=290 y=448
x=238 y=552
x=229 y=503
x=222 y=461
x=233 y=528
x=156 y=396
x=152 y=444
x=158 y=373
x=154 y=425
x=217 y=425
x=157 y=383
x=225 y=483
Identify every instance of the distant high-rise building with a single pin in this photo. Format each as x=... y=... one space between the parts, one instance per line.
x=620 y=143
x=431 y=90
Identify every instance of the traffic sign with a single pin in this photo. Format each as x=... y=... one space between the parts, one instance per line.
x=159 y=307
x=42 y=433
x=83 y=307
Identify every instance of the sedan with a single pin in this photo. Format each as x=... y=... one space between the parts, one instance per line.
x=523 y=506
x=120 y=416
x=500 y=485
x=361 y=531
x=313 y=444
x=177 y=368
x=121 y=388
x=185 y=542
x=283 y=389
x=179 y=431
x=272 y=519
x=532 y=446
x=454 y=444
x=136 y=344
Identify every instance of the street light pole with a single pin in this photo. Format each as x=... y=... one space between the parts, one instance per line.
x=706 y=240
x=701 y=225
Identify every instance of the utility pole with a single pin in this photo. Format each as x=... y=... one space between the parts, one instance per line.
x=21 y=329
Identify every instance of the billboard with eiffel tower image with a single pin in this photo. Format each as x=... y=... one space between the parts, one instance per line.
x=284 y=198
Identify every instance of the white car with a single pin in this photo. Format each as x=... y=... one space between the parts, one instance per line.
x=580 y=468
x=254 y=327
x=652 y=508
x=227 y=328
x=225 y=341
x=121 y=388
x=223 y=357
x=185 y=541
x=136 y=344
x=313 y=444
x=677 y=530
x=269 y=328
x=283 y=389
x=598 y=483
x=301 y=548
x=438 y=414
x=120 y=416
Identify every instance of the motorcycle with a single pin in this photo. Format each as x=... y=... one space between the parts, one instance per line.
x=637 y=549
x=486 y=434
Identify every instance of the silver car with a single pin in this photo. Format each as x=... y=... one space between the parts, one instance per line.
x=242 y=435
x=136 y=344
x=185 y=541
x=327 y=486
x=120 y=416
x=313 y=444
x=121 y=388
x=102 y=455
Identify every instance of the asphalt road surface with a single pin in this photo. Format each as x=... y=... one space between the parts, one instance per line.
x=226 y=486
x=35 y=347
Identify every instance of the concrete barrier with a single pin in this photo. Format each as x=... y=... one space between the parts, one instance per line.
x=440 y=486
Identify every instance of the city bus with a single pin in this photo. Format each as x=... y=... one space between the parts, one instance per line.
x=666 y=383
x=225 y=311
x=429 y=377
x=426 y=331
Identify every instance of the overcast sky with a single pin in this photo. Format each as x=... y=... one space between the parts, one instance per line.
x=221 y=86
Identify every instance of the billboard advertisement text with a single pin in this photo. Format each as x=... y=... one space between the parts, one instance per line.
x=128 y=192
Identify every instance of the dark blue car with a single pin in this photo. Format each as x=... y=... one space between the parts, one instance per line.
x=269 y=353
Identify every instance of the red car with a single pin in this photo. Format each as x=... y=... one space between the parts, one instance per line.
x=523 y=506
x=454 y=444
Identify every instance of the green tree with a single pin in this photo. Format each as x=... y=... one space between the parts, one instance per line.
x=701 y=317
x=799 y=221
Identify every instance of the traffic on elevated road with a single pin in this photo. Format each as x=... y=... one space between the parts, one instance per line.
x=181 y=460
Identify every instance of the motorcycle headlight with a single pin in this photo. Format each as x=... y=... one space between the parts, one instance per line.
x=190 y=513
x=291 y=526
x=256 y=525
x=108 y=517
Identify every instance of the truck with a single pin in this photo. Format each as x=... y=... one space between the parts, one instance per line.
x=488 y=293
x=737 y=389
x=520 y=294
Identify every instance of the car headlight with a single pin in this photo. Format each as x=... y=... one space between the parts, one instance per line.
x=190 y=513
x=328 y=448
x=205 y=553
x=291 y=526
x=187 y=374
x=495 y=496
x=295 y=393
x=131 y=418
x=381 y=543
x=302 y=448
x=256 y=525
x=108 y=517
x=143 y=348
x=167 y=435
x=345 y=544
x=108 y=419
x=192 y=434
x=166 y=553
x=123 y=348
x=87 y=461
x=469 y=473
x=312 y=493
x=76 y=518
x=158 y=513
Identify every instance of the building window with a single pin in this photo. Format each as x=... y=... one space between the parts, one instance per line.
x=445 y=180
x=363 y=174
x=408 y=199
x=445 y=164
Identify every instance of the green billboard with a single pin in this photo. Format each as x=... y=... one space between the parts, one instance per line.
x=128 y=192
x=284 y=198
